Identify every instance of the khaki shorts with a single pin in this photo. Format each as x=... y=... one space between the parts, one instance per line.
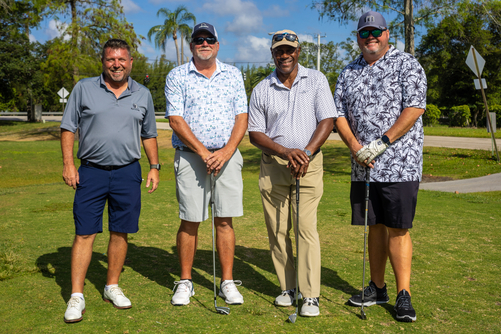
x=193 y=187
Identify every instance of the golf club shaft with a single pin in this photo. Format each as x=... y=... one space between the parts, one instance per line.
x=297 y=243
x=213 y=241
x=367 y=185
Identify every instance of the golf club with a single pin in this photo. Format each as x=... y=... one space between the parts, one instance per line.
x=220 y=309
x=367 y=183
x=292 y=317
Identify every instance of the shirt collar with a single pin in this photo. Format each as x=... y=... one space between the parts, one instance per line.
x=131 y=84
x=220 y=67
x=392 y=52
x=302 y=72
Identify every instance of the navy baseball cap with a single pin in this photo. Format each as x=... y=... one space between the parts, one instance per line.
x=204 y=26
x=371 y=19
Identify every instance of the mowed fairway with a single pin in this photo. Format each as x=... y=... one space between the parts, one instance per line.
x=456 y=261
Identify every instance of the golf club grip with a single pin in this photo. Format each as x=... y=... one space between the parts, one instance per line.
x=367 y=182
x=297 y=191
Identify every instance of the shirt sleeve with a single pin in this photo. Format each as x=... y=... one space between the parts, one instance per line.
x=338 y=95
x=240 y=101
x=324 y=102
x=414 y=84
x=72 y=112
x=257 y=117
x=149 y=128
x=174 y=94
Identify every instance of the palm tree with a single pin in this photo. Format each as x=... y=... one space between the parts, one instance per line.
x=174 y=21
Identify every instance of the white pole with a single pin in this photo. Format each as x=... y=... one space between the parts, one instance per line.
x=318 y=55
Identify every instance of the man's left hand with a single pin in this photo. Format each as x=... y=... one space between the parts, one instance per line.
x=215 y=161
x=370 y=151
x=154 y=179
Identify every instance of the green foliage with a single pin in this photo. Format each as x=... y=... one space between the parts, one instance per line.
x=459 y=116
x=443 y=51
x=175 y=21
x=431 y=115
x=445 y=130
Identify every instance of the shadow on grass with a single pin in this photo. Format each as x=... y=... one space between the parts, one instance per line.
x=58 y=266
x=159 y=265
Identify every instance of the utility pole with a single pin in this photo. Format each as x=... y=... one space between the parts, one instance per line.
x=318 y=49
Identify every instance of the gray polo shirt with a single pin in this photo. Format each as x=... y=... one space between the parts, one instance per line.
x=110 y=128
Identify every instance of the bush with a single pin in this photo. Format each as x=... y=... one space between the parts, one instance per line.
x=459 y=116
x=431 y=115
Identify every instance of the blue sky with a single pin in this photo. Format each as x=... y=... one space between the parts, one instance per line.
x=242 y=25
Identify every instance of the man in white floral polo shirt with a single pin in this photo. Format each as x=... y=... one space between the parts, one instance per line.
x=207 y=110
x=382 y=95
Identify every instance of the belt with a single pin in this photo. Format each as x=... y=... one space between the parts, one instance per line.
x=91 y=164
x=187 y=149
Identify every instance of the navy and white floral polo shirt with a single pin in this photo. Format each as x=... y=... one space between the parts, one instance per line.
x=372 y=98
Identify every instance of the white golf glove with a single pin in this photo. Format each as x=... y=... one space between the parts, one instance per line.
x=370 y=151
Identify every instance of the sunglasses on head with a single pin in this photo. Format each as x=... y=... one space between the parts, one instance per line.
x=200 y=40
x=287 y=36
x=365 y=33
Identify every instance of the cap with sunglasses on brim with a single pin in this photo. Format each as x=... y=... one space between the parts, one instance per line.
x=204 y=26
x=285 y=37
x=371 y=19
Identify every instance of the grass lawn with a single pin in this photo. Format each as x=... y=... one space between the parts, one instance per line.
x=456 y=260
x=444 y=130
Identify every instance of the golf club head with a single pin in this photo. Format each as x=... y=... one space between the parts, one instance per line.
x=292 y=317
x=223 y=310
x=362 y=315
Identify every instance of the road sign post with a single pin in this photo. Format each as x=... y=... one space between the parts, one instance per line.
x=476 y=63
x=63 y=93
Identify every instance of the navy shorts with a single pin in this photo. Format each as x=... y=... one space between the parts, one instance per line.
x=120 y=187
x=390 y=203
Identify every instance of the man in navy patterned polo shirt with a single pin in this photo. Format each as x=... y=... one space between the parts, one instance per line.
x=382 y=95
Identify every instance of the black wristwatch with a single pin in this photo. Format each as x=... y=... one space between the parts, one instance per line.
x=157 y=166
x=308 y=152
x=386 y=140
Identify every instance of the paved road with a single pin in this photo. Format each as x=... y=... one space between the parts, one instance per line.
x=479 y=184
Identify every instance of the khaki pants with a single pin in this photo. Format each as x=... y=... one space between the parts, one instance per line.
x=278 y=193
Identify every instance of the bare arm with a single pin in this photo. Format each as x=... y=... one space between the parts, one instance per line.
x=183 y=131
x=151 y=150
x=70 y=173
x=215 y=161
x=404 y=123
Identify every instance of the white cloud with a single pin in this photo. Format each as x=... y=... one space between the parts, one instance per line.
x=170 y=51
x=130 y=7
x=247 y=17
x=256 y=50
x=32 y=38
x=56 y=29
x=306 y=38
x=159 y=2
x=400 y=45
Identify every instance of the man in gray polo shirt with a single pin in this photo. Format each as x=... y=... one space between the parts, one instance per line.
x=291 y=114
x=113 y=113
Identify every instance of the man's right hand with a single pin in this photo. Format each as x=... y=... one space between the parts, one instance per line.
x=70 y=176
x=298 y=161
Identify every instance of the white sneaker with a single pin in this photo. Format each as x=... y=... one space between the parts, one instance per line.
x=229 y=292
x=116 y=296
x=183 y=293
x=75 y=310
x=287 y=298
x=310 y=307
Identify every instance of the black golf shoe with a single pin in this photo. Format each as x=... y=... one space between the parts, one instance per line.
x=372 y=295
x=403 y=307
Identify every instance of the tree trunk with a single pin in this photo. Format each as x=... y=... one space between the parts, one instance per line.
x=74 y=39
x=182 y=50
x=409 y=26
x=174 y=37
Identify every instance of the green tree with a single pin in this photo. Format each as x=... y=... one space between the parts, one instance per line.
x=18 y=64
x=176 y=21
x=443 y=51
x=331 y=62
x=345 y=11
